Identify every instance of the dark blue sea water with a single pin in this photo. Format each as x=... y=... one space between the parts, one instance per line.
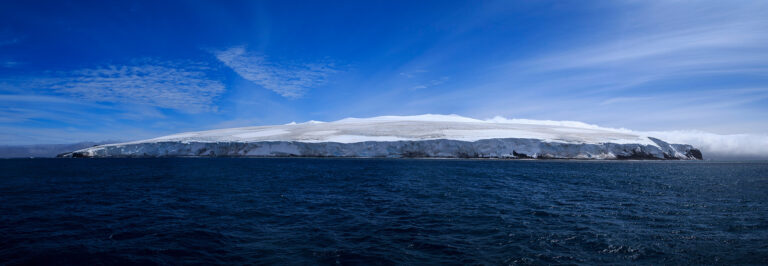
x=379 y=211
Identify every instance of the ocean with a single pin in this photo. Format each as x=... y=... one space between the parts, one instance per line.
x=381 y=211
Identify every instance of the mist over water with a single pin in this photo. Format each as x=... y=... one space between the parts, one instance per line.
x=721 y=147
x=714 y=146
x=352 y=211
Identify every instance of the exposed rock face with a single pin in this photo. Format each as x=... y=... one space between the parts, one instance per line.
x=490 y=148
x=428 y=136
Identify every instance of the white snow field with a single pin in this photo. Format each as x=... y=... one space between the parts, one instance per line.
x=441 y=136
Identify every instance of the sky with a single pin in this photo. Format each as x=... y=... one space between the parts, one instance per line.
x=75 y=71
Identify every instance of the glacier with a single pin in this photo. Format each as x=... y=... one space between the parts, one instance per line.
x=421 y=136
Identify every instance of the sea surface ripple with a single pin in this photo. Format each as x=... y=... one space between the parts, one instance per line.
x=381 y=211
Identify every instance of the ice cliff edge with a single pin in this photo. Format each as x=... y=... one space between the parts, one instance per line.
x=438 y=136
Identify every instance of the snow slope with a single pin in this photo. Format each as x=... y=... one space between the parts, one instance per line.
x=407 y=136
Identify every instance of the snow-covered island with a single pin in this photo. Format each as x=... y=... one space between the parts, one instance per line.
x=422 y=136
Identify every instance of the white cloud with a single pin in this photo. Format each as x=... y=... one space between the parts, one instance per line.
x=575 y=124
x=290 y=81
x=180 y=86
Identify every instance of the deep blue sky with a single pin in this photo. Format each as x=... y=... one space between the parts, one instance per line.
x=102 y=70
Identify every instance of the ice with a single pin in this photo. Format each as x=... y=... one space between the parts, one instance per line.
x=408 y=136
x=262 y=133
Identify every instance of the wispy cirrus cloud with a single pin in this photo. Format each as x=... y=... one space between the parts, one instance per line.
x=411 y=74
x=430 y=83
x=663 y=40
x=625 y=69
x=288 y=80
x=182 y=86
x=423 y=82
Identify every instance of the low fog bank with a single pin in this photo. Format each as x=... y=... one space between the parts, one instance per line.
x=735 y=147
x=720 y=147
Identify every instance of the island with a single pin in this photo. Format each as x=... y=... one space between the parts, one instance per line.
x=421 y=136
